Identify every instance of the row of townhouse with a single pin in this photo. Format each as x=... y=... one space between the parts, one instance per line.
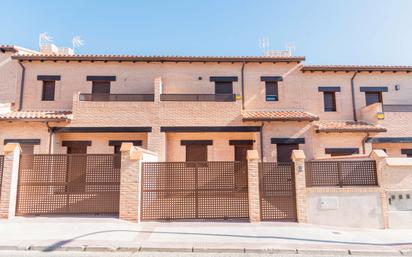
x=189 y=108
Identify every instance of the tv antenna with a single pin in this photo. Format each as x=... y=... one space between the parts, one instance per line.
x=77 y=41
x=264 y=43
x=44 y=39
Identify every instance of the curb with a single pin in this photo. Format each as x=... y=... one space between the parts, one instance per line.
x=332 y=252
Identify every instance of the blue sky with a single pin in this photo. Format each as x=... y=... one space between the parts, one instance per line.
x=325 y=31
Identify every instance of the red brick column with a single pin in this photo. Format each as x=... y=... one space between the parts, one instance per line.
x=10 y=180
x=298 y=158
x=129 y=204
x=253 y=185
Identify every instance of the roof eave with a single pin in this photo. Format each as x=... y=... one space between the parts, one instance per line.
x=280 y=119
x=351 y=130
x=157 y=59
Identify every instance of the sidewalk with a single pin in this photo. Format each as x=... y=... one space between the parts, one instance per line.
x=49 y=234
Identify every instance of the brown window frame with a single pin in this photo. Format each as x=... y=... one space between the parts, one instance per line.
x=48 y=90
x=189 y=151
x=369 y=93
x=341 y=151
x=271 y=91
x=326 y=106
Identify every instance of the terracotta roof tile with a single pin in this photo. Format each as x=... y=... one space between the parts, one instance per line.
x=356 y=68
x=36 y=115
x=158 y=58
x=278 y=115
x=347 y=126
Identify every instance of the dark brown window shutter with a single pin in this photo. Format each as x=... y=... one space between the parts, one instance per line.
x=48 y=90
x=329 y=101
x=223 y=88
x=271 y=91
x=196 y=153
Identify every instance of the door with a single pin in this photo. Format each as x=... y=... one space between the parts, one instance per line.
x=76 y=168
x=241 y=167
x=284 y=152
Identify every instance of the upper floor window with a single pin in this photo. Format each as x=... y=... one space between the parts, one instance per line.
x=49 y=86
x=271 y=87
x=329 y=101
x=101 y=87
x=373 y=97
x=329 y=98
x=48 y=90
x=407 y=152
x=223 y=85
x=373 y=94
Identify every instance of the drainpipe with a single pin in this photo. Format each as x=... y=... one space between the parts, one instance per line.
x=242 y=78
x=352 y=83
x=261 y=141
x=23 y=73
x=364 y=143
x=51 y=132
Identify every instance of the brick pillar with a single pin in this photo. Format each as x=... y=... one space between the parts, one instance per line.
x=10 y=179
x=158 y=88
x=298 y=158
x=380 y=157
x=156 y=142
x=253 y=185
x=129 y=204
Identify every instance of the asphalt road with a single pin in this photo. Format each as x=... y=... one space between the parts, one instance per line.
x=150 y=254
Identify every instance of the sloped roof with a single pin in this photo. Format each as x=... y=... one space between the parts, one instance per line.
x=156 y=58
x=36 y=115
x=278 y=115
x=347 y=126
x=352 y=68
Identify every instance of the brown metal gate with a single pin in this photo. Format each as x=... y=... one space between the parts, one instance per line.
x=1 y=171
x=277 y=191
x=68 y=184
x=194 y=190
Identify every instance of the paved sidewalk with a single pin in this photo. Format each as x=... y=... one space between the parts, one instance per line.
x=98 y=234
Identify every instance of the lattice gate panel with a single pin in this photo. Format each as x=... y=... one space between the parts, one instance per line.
x=1 y=171
x=194 y=190
x=277 y=192
x=69 y=184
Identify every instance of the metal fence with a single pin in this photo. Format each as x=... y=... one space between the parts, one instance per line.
x=199 y=97
x=194 y=190
x=69 y=184
x=277 y=191
x=341 y=173
x=117 y=97
x=1 y=171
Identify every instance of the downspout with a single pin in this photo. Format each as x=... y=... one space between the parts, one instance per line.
x=23 y=73
x=261 y=141
x=364 y=143
x=352 y=83
x=242 y=81
x=51 y=132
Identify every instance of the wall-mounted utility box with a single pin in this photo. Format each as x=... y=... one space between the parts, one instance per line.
x=399 y=200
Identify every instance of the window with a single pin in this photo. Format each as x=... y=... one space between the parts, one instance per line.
x=196 y=153
x=101 y=90
x=48 y=90
x=407 y=152
x=341 y=151
x=223 y=88
x=271 y=90
x=373 y=97
x=329 y=101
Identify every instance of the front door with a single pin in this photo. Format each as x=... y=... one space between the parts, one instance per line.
x=241 y=166
x=284 y=152
x=76 y=168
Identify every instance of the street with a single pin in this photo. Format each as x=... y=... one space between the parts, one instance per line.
x=151 y=254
